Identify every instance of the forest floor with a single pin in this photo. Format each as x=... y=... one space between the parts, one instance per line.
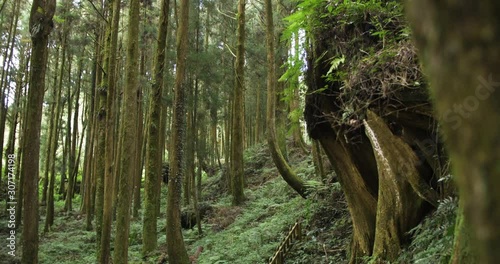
x=249 y=233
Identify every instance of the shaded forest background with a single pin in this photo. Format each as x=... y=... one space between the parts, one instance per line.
x=218 y=121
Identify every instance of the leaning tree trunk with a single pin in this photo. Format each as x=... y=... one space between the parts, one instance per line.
x=40 y=27
x=458 y=41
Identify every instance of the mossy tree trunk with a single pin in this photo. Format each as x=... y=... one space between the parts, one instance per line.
x=128 y=137
x=238 y=124
x=109 y=148
x=100 y=131
x=175 y=243
x=88 y=174
x=319 y=169
x=40 y=24
x=458 y=41
x=153 y=142
x=54 y=130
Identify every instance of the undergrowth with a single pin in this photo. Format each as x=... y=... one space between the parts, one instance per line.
x=432 y=240
x=252 y=232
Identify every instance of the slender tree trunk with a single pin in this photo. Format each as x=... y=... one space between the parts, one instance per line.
x=101 y=127
x=175 y=242
x=109 y=175
x=73 y=165
x=153 y=144
x=40 y=27
x=286 y=172
x=465 y=80
x=51 y=128
x=67 y=142
x=16 y=109
x=19 y=176
x=128 y=136
x=238 y=123
x=49 y=220
x=318 y=160
x=9 y=52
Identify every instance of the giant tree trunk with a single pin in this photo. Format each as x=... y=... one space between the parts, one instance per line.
x=40 y=27
x=458 y=41
x=279 y=160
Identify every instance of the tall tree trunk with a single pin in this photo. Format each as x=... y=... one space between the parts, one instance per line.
x=286 y=172
x=153 y=144
x=238 y=125
x=175 y=242
x=4 y=84
x=88 y=173
x=464 y=82
x=67 y=138
x=40 y=27
x=99 y=166
x=318 y=160
x=20 y=152
x=109 y=174
x=128 y=137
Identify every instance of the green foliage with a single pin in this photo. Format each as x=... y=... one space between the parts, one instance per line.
x=256 y=233
x=432 y=240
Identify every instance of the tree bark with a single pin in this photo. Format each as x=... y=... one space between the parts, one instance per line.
x=104 y=254
x=279 y=160
x=128 y=137
x=238 y=124
x=40 y=27
x=175 y=242
x=153 y=144
x=458 y=41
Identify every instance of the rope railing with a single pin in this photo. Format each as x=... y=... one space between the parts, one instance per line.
x=294 y=234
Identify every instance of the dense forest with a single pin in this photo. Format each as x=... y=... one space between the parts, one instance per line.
x=213 y=131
